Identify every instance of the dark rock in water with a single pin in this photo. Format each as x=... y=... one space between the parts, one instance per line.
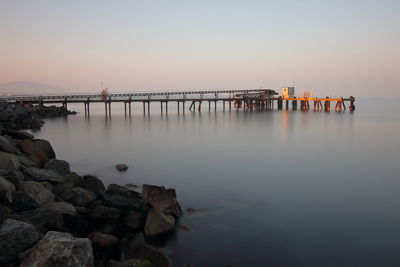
x=60 y=188
x=16 y=236
x=102 y=240
x=45 y=147
x=18 y=134
x=9 y=161
x=62 y=208
x=124 y=203
x=4 y=213
x=94 y=184
x=6 y=190
x=183 y=227
x=162 y=199
x=58 y=166
x=121 y=167
x=44 y=219
x=37 y=192
x=105 y=213
x=33 y=152
x=23 y=201
x=60 y=249
x=75 y=178
x=41 y=175
x=158 y=223
x=193 y=210
x=78 y=196
x=133 y=220
x=6 y=146
x=117 y=190
x=150 y=253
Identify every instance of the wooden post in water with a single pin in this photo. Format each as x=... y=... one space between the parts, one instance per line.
x=327 y=104
x=280 y=104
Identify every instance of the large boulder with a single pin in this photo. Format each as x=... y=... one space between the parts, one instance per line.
x=16 y=236
x=118 y=190
x=94 y=184
x=60 y=249
x=18 y=134
x=45 y=147
x=27 y=162
x=37 y=192
x=58 y=166
x=162 y=199
x=104 y=213
x=44 y=219
x=33 y=152
x=62 y=208
x=123 y=203
x=158 y=223
x=41 y=175
x=22 y=201
x=78 y=196
x=156 y=257
x=6 y=190
x=14 y=177
x=59 y=188
x=6 y=146
x=9 y=161
x=75 y=178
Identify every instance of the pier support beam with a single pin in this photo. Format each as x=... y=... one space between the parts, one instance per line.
x=280 y=104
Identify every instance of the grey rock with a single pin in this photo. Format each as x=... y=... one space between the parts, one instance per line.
x=94 y=184
x=22 y=201
x=133 y=220
x=9 y=161
x=6 y=190
x=62 y=208
x=44 y=219
x=78 y=196
x=42 y=175
x=158 y=223
x=37 y=192
x=47 y=185
x=6 y=146
x=27 y=162
x=124 y=203
x=117 y=190
x=75 y=178
x=60 y=188
x=58 y=166
x=18 y=134
x=33 y=152
x=121 y=167
x=162 y=199
x=45 y=147
x=101 y=212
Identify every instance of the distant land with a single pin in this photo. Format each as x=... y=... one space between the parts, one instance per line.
x=30 y=88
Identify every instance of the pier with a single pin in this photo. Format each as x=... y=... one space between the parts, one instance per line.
x=249 y=99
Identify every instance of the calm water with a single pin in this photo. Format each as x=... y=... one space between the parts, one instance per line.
x=278 y=188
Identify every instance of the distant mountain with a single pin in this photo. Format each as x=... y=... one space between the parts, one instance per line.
x=30 y=88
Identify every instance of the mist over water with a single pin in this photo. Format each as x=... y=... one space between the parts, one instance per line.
x=276 y=188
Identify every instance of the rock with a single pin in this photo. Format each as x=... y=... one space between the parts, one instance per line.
x=42 y=175
x=133 y=220
x=6 y=146
x=107 y=228
x=6 y=190
x=14 y=177
x=105 y=213
x=193 y=210
x=124 y=203
x=45 y=147
x=4 y=213
x=75 y=178
x=117 y=190
x=47 y=185
x=162 y=199
x=59 y=188
x=102 y=240
x=9 y=162
x=121 y=167
x=131 y=263
x=78 y=196
x=33 y=152
x=94 y=184
x=23 y=201
x=16 y=236
x=37 y=192
x=62 y=208
x=27 y=162
x=150 y=253
x=158 y=223
x=18 y=134
x=58 y=166
x=60 y=249
x=44 y=219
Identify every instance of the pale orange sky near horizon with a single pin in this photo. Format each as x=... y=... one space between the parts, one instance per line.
x=341 y=48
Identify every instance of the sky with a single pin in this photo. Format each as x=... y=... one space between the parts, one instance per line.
x=335 y=48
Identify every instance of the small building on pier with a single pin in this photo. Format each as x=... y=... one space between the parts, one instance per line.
x=288 y=92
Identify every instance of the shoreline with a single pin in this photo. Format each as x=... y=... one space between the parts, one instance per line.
x=46 y=209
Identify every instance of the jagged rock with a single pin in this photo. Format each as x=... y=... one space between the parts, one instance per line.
x=78 y=196
x=117 y=190
x=124 y=203
x=133 y=220
x=22 y=201
x=45 y=147
x=37 y=192
x=150 y=253
x=6 y=146
x=60 y=249
x=18 y=134
x=62 y=208
x=58 y=166
x=75 y=178
x=44 y=219
x=158 y=223
x=6 y=190
x=94 y=184
x=9 y=161
x=162 y=199
x=42 y=175
x=16 y=236
x=121 y=167
x=33 y=152
x=105 y=213
x=102 y=240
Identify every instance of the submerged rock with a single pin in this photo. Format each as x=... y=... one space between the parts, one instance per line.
x=121 y=167
x=158 y=223
x=162 y=199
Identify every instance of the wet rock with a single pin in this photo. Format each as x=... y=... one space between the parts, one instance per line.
x=16 y=236
x=78 y=196
x=94 y=184
x=45 y=147
x=162 y=199
x=9 y=161
x=133 y=220
x=37 y=192
x=6 y=146
x=102 y=240
x=33 y=152
x=150 y=253
x=44 y=219
x=6 y=190
x=123 y=203
x=23 y=201
x=62 y=208
x=158 y=223
x=121 y=167
x=75 y=178
x=105 y=213
x=60 y=249
x=117 y=190
x=41 y=175
x=58 y=166
x=18 y=134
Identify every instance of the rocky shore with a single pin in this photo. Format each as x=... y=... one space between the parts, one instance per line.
x=51 y=216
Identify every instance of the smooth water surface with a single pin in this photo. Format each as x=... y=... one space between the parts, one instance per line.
x=277 y=188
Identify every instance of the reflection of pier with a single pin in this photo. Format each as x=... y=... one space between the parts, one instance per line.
x=258 y=99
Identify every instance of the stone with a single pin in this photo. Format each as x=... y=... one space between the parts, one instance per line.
x=45 y=147
x=58 y=166
x=157 y=258
x=15 y=237
x=18 y=134
x=101 y=212
x=9 y=161
x=47 y=185
x=6 y=146
x=41 y=175
x=60 y=249
x=131 y=263
x=102 y=240
x=117 y=190
x=14 y=177
x=27 y=162
x=44 y=219
x=75 y=178
x=4 y=213
x=162 y=199
x=133 y=220
x=33 y=152
x=121 y=167
x=37 y=192
x=94 y=184
x=23 y=201
x=6 y=190
x=59 y=188
x=107 y=228
x=158 y=223
x=62 y=208
x=124 y=203
x=78 y=196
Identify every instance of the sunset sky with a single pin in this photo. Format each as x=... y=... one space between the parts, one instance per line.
x=328 y=47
